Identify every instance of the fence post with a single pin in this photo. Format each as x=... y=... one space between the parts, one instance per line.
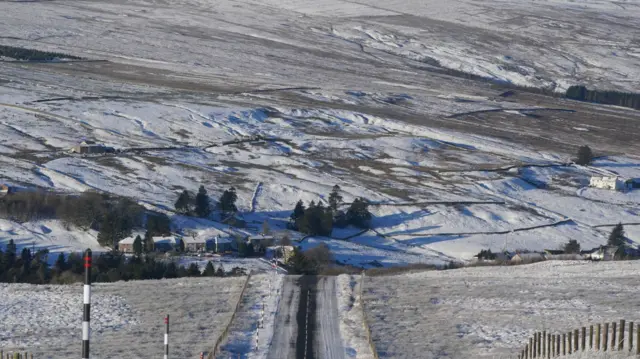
x=630 y=336
x=570 y=342
x=621 y=342
x=576 y=340
x=605 y=337
x=638 y=339
x=166 y=337
x=526 y=351
x=530 y=347
x=613 y=336
x=558 y=345
x=544 y=346
x=564 y=344
x=553 y=345
x=86 y=328
x=584 y=338
x=591 y=336
x=538 y=346
x=598 y=336
x=548 y=345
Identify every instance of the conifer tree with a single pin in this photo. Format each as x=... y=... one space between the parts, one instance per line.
x=202 y=203
x=617 y=236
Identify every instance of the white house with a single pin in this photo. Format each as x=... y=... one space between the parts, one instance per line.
x=527 y=258
x=126 y=245
x=613 y=183
x=196 y=244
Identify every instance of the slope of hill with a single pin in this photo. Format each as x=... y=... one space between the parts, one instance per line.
x=491 y=312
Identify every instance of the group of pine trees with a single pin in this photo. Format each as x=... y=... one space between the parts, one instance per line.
x=616 y=239
x=200 y=204
x=626 y=99
x=29 y=267
x=113 y=217
x=316 y=219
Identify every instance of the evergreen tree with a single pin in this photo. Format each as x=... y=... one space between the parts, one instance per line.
x=61 y=264
x=25 y=255
x=572 y=247
x=137 y=246
x=220 y=271
x=10 y=255
x=182 y=272
x=227 y=203
x=585 y=156
x=358 y=213
x=183 y=204
x=617 y=236
x=171 y=271
x=202 y=203
x=149 y=245
x=159 y=224
x=193 y=270
x=180 y=245
x=209 y=270
x=297 y=214
x=43 y=272
x=335 y=198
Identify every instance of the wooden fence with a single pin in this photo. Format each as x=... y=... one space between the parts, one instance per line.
x=15 y=355
x=599 y=337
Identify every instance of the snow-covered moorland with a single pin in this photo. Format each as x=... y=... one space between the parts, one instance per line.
x=491 y=312
x=356 y=94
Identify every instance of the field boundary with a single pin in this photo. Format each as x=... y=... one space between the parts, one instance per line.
x=225 y=332
x=364 y=318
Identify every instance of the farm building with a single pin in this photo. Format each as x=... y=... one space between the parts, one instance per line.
x=90 y=147
x=282 y=253
x=165 y=243
x=613 y=183
x=196 y=244
x=520 y=258
x=126 y=245
x=219 y=244
x=604 y=253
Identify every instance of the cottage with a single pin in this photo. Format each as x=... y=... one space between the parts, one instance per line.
x=281 y=253
x=194 y=244
x=165 y=243
x=90 y=147
x=613 y=183
x=219 y=244
x=126 y=245
x=521 y=258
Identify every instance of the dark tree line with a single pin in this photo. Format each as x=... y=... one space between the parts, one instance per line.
x=316 y=219
x=113 y=217
x=626 y=99
x=200 y=204
x=112 y=266
x=20 y=53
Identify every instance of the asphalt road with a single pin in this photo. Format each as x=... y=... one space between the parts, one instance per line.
x=307 y=324
x=328 y=342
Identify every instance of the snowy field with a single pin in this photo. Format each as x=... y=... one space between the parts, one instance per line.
x=357 y=96
x=491 y=312
x=126 y=317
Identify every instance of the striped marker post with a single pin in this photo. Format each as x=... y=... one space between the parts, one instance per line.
x=166 y=337
x=86 y=328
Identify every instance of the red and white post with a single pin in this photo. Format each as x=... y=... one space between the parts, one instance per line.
x=166 y=337
x=86 y=316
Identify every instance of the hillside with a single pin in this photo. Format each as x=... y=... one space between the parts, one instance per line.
x=491 y=312
x=366 y=96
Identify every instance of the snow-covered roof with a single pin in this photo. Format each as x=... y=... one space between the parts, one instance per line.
x=128 y=240
x=167 y=239
x=197 y=240
x=259 y=237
